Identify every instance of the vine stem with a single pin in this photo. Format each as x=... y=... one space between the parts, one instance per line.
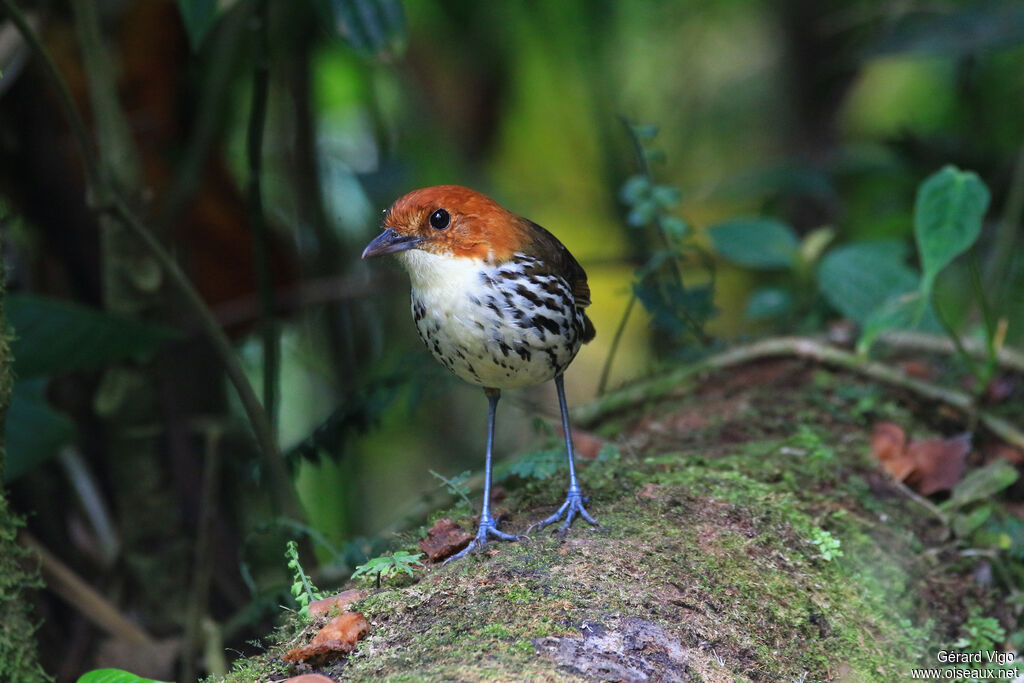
x=119 y=208
x=260 y=239
x=794 y=347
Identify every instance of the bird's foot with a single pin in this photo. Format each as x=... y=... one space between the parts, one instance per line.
x=572 y=507
x=488 y=529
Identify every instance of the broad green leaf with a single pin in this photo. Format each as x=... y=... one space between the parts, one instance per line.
x=35 y=431
x=947 y=219
x=769 y=302
x=199 y=16
x=910 y=311
x=981 y=484
x=53 y=336
x=857 y=279
x=755 y=242
x=112 y=676
x=375 y=28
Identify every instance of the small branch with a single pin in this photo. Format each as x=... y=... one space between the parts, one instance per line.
x=606 y=370
x=794 y=347
x=1006 y=357
x=202 y=567
x=83 y=597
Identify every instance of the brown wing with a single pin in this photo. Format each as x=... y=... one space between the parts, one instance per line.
x=546 y=247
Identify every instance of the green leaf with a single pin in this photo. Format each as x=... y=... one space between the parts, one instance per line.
x=858 y=279
x=674 y=227
x=665 y=196
x=981 y=484
x=761 y=243
x=910 y=311
x=375 y=28
x=199 y=16
x=35 y=431
x=538 y=465
x=53 y=337
x=635 y=188
x=769 y=302
x=964 y=525
x=644 y=131
x=112 y=676
x=947 y=219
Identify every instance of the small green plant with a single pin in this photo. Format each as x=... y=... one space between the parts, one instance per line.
x=303 y=589
x=112 y=676
x=980 y=634
x=828 y=545
x=387 y=566
x=680 y=310
x=456 y=486
x=871 y=282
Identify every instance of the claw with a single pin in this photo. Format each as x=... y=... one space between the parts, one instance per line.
x=572 y=506
x=488 y=528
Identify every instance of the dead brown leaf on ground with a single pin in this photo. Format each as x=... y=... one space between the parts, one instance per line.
x=342 y=600
x=337 y=639
x=444 y=539
x=928 y=466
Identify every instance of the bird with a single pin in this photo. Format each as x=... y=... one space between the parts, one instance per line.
x=499 y=301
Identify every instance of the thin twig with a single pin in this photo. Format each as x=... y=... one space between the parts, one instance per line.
x=257 y=219
x=202 y=566
x=1006 y=357
x=64 y=582
x=606 y=370
x=795 y=347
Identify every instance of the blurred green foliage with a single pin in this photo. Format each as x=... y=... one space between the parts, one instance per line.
x=764 y=182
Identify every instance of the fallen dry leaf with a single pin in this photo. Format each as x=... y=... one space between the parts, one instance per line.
x=927 y=466
x=444 y=539
x=336 y=639
x=342 y=600
x=309 y=678
x=889 y=444
x=918 y=369
x=586 y=445
x=938 y=463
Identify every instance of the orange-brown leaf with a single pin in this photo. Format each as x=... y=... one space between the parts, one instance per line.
x=938 y=463
x=336 y=639
x=342 y=600
x=444 y=539
x=889 y=446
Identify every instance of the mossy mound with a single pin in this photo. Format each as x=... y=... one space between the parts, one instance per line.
x=766 y=548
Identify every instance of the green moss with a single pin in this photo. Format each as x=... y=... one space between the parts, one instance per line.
x=18 y=660
x=732 y=550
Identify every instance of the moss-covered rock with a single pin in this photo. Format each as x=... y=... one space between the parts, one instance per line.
x=18 y=660
x=745 y=535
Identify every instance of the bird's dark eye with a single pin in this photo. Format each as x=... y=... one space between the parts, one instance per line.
x=440 y=219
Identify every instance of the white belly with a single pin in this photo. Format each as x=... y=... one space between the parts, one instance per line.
x=475 y=322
